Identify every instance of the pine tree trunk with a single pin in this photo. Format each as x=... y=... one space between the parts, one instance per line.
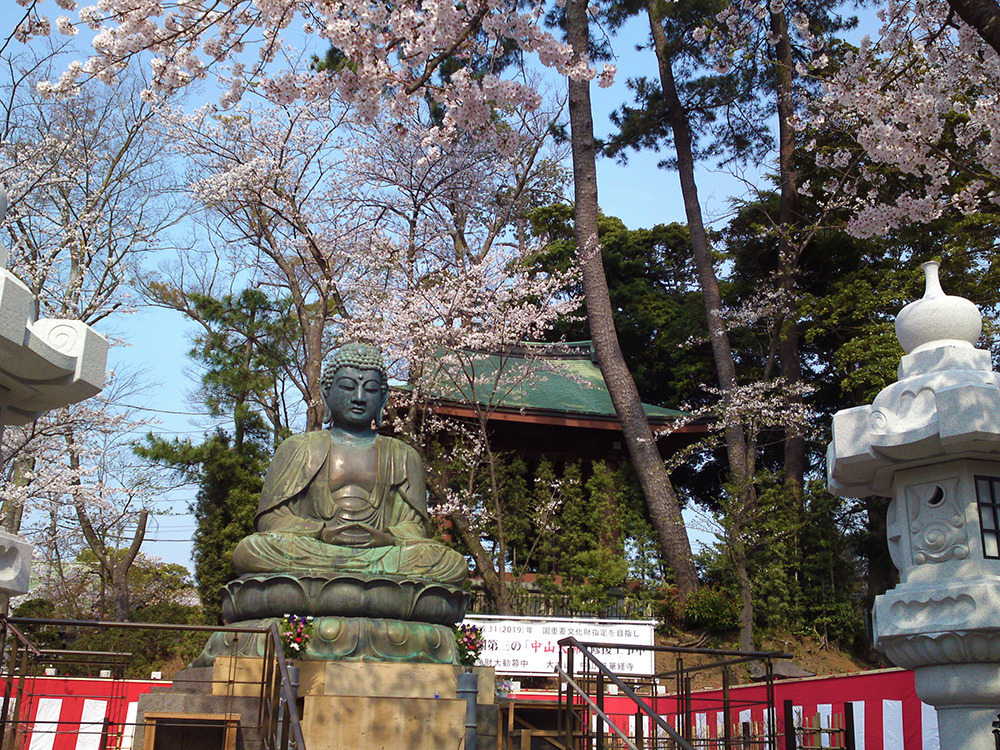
x=983 y=16
x=740 y=457
x=788 y=252
x=660 y=497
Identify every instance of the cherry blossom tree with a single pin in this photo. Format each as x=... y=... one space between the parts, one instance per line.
x=385 y=57
x=314 y=208
x=916 y=112
x=983 y=16
x=454 y=298
x=387 y=63
x=370 y=231
x=462 y=196
x=279 y=215
x=72 y=483
x=88 y=191
x=87 y=199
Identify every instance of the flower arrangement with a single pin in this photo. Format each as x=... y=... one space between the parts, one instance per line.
x=296 y=632
x=504 y=687
x=469 y=639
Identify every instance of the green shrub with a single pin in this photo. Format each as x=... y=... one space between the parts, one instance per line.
x=714 y=609
x=593 y=574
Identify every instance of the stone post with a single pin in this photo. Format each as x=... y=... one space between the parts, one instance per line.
x=931 y=442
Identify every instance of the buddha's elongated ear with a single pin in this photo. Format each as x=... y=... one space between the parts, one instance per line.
x=385 y=400
x=324 y=391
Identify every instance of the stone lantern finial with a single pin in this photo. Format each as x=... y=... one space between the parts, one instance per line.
x=937 y=319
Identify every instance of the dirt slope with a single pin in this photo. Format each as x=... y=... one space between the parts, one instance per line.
x=809 y=654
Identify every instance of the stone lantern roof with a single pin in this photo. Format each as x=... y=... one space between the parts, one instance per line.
x=943 y=406
x=44 y=364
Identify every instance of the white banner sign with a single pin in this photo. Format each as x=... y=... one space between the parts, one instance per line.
x=528 y=645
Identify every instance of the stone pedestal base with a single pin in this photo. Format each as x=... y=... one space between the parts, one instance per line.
x=346 y=639
x=348 y=723
x=344 y=705
x=414 y=706
x=966 y=728
x=967 y=699
x=947 y=633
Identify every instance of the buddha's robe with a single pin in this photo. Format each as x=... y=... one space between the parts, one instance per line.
x=298 y=502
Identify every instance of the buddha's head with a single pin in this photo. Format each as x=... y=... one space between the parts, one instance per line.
x=355 y=387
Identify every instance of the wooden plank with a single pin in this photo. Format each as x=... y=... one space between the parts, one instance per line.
x=230 y=723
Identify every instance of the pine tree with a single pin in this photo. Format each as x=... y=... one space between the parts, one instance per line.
x=229 y=483
x=244 y=346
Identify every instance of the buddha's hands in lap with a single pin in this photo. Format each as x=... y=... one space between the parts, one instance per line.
x=357 y=535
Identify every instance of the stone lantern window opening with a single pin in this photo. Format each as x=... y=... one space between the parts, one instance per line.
x=988 y=499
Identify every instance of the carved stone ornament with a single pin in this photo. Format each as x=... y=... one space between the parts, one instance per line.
x=941 y=406
x=943 y=624
x=937 y=524
x=254 y=597
x=15 y=564
x=44 y=364
x=937 y=318
x=346 y=639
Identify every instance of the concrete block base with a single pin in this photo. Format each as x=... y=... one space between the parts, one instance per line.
x=347 y=705
x=350 y=722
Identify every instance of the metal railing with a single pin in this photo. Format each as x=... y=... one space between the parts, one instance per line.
x=584 y=686
x=527 y=603
x=279 y=713
x=28 y=674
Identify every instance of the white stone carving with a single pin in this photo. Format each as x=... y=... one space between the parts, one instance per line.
x=15 y=564
x=44 y=364
x=937 y=318
x=936 y=522
x=923 y=441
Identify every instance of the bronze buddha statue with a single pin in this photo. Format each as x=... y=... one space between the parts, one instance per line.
x=347 y=498
x=343 y=535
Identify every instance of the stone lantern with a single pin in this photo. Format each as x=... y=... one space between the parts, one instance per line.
x=44 y=364
x=931 y=442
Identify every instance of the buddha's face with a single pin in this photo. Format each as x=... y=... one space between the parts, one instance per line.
x=355 y=398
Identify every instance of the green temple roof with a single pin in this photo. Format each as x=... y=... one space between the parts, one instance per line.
x=555 y=379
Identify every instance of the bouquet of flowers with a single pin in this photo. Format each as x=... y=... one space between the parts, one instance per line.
x=296 y=632
x=469 y=640
x=504 y=687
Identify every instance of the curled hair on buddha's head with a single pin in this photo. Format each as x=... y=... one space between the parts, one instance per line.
x=362 y=357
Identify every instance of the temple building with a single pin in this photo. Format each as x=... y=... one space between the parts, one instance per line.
x=548 y=399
